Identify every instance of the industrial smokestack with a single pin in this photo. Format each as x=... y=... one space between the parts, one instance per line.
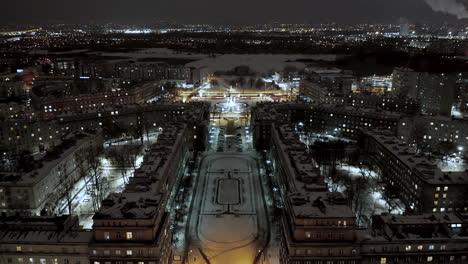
x=452 y=7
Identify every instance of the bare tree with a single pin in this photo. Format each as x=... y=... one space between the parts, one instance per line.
x=95 y=175
x=90 y=170
x=418 y=131
x=121 y=160
x=66 y=186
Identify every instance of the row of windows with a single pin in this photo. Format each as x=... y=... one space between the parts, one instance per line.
x=42 y=261
x=118 y=235
x=127 y=252
x=409 y=248
x=419 y=259
x=320 y=252
x=30 y=249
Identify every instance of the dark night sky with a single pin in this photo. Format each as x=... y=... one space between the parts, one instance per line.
x=211 y=11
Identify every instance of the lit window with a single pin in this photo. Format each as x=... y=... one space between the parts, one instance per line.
x=308 y=234
x=383 y=260
x=431 y=247
x=129 y=252
x=18 y=248
x=129 y=235
x=436 y=195
x=106 y=235
x=408 y=248
x=420 y=247
x=429 y=259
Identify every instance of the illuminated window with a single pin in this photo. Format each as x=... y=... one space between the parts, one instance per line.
x=431 y=247
x=420 y=247
x=308 y=234
x=106 y=235
x=129 y=235
x=429 y=259
x=408 y=248
x=383 y=260
x=436 y=195
x=129 y=252
x=18 y=249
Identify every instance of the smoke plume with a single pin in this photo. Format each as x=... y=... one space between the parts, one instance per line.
x=452 y=7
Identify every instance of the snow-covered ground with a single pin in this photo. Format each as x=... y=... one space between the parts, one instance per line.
x=227 y=220
x=152 y=53
x=223 y=227
x=257 y=62
x=112 y=180
x=453 y=164
x=376 y=191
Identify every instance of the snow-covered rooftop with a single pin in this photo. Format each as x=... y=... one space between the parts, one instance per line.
x=424 y=168
x=319 y=205
x=144 y=195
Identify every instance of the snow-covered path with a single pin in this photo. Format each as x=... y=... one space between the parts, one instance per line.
x=227 y=224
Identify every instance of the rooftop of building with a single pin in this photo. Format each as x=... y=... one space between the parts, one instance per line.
x=423 y=227
x=46 y=237
x=306 y=177
x=43 y=230
x=144 y=194
x=426 y=169
x=319 y=205
x=274 y=111
x=41 y=167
